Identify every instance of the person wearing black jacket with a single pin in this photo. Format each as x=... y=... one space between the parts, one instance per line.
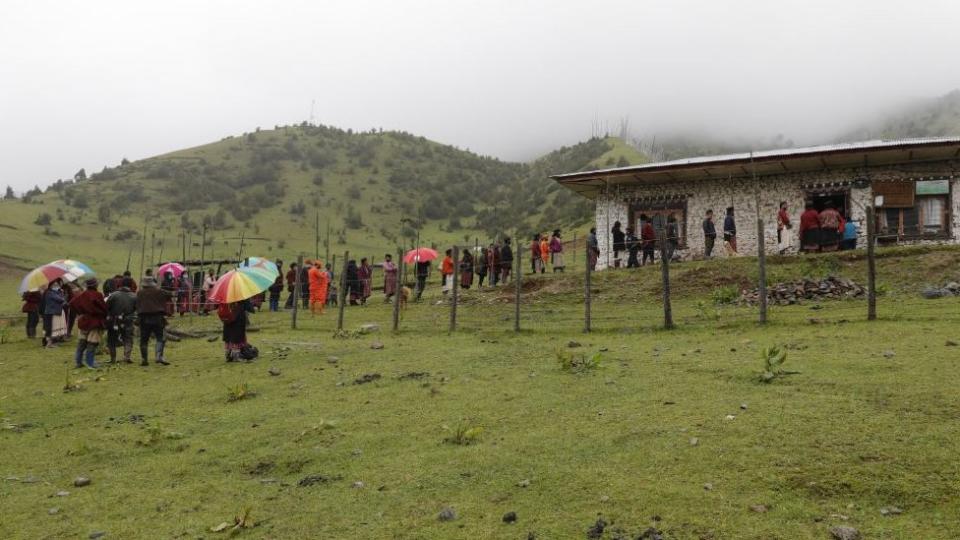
x=619 y=243
x=421 y=271
x=633 y=247
x=506 y=260
x=730 y=232
x=709 y=234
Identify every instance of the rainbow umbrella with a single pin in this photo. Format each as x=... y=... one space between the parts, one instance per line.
x=264 y=265
x=65 y=269
x=175 y=268
x=419 y=255
x=239 y=284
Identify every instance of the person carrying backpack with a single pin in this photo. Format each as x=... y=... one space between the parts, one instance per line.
x=235 y=321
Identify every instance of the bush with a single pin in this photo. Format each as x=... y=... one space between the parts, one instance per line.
x=354 y=192
x=725 y=295
x=43 y=220
x=773 y=359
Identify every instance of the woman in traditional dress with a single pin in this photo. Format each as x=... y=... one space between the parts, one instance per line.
x=52 y=303
x=389 y=277
x=831 y=226
x=186 y=293
x=235 y=322
x=556 y=252
x=365 y=275
x=466 y=269
x=544 y=253
x=809 y=229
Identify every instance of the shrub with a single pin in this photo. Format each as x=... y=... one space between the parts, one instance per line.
x=773 y=359
x=463 y=434
x=43 y=219
x=577 y=362
x=725 y=295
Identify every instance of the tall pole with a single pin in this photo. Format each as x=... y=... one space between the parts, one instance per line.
x=153 y=245
x=518 y=277
x=326 y=257
x=665 y=275
x=343 y=291
x=183 y=245
x=143 y=247
x=871 y=266
x=586 y=291
x=455 y=289
x=316 y=241
x=240 y=250
x=203 y=251
x=398 y=290
x=762 y=279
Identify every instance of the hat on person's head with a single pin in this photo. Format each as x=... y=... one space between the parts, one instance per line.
x=92 y=282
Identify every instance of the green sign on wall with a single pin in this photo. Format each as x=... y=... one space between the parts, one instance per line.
x=933 y=187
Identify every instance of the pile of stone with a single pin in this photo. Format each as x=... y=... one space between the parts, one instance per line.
x=830 y=288
x=950 y=289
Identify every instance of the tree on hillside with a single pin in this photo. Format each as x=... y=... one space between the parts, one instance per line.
x=103 y=214
x=43 y=220
x=9 y=195
x=124 y=161
x=80 y=176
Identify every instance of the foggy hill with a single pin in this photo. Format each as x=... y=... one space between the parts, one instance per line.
x=375 y=189
x=936 y=117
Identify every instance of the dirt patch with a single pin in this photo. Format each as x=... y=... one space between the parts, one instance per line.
x=261 y=468
x=367 y=378
x=314 y=479
x=413 y=376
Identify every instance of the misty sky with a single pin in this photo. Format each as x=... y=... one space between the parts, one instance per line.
x=83 y=84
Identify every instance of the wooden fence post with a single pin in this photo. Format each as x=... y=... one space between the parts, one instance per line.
x=296 y=293
x=586 y=291
x=871 y=266
x=665 y=274
x=762 y=280
x=398 y=291
x=455 y=286
x=516 y=298
x=342 y=302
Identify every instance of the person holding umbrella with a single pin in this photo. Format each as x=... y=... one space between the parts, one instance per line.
x=91 y=313
x=52 y=305
x=233 y=292
x=422 y=257
x=235 y=320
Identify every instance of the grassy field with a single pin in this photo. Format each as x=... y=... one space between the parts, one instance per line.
x=868 y=424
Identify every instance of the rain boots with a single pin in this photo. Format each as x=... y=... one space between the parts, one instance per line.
x=158 y=347
x=143 y=355
x=78 y=354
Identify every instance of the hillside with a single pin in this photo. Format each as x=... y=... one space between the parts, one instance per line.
x=374 y=190
x=935 y=117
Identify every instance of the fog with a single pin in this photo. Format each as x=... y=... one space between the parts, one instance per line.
x=84 y=84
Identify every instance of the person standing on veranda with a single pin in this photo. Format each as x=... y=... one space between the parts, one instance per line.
x=730 y=232
x=709 y=235
x=784 y=228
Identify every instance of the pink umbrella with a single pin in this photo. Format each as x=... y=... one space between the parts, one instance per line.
x=175 y=268
x=419 y=255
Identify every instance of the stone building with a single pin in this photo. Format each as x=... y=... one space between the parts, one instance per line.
x=918 y=179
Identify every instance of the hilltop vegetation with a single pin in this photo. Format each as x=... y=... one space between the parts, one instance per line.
x=936 y=117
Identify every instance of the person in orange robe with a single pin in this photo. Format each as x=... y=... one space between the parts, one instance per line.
x=544 y=252
x=446 y=269
x=319 y=280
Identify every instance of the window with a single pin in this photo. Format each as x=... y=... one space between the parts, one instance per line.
x=926 y=219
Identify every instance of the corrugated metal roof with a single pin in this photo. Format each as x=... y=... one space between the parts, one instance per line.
x=766 y=155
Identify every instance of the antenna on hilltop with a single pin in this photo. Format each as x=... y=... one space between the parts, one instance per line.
x=312 y=105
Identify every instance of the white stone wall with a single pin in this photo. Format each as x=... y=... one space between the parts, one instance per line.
x=742 y=194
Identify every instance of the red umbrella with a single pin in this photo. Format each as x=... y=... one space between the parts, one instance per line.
x=419 y=255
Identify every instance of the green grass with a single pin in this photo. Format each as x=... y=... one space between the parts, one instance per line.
x=856 y=430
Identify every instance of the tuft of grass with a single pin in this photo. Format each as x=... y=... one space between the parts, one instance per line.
x=773 y=359
x=239 y=391
x=463 y=434
x=578 y=362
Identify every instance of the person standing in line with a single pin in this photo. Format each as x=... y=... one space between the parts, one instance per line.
x=482 y=266
x=275 y=290
x=648 y=239
x=709 y=235
x=365 y=275
x=91 y=312
x=809 y=229
x=304 y=289
x=556 y=252
x=70 y=316
x=169 y=284
x=209 y=280
x=446 y=271
x=332 y=292
x=32 y=301
x=352 y=277
x=544 y=253
x=831 y=225
x=536 y=262
x=730 y=232
x=633 y=247
x=52 y=305
x=593 y=249
x=291 y=279
x=619 y=243
x=673 y=236
x=494 y=263
x=506 y=261
x=121 y=312
x=185 y=289
x=850 y=233
x=784 y=227
x=152 y=303
x=421 y=271
x=466 y=269
x=389 y=277
x=317 y=285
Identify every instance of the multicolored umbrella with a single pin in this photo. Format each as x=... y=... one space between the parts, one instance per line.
x=419 y=255
x=264 y=265
x=175 y=268
x=240 y=284
x=65 y=269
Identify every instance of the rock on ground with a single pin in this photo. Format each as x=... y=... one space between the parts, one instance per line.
x=447 y=514
x=844 y=532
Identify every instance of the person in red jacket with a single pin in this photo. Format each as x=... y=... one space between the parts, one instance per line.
x=809 y=229
x=31 y=306
x=91 y=310
x=648 y=239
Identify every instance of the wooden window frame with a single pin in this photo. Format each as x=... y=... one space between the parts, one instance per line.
x=662 y=207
